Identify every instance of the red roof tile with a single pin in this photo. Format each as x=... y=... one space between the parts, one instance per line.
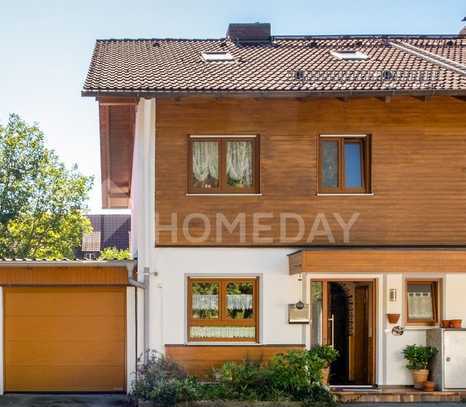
x=286 y=65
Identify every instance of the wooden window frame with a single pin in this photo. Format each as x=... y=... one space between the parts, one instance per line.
x=223 y=319
x=435 y=284
x=365 y=142
x=223 y=187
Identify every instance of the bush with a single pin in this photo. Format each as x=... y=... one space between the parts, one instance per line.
x=325 y=352
x=294 y=375
x=163 y=381
x=419 y=357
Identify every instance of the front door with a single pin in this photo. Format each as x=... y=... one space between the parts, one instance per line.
x=342 y=316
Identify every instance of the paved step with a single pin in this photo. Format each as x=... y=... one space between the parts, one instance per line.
x=396 y=396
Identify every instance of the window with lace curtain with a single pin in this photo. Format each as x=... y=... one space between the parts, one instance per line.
x=422 y=302
x=223 y=165
x=222 y=310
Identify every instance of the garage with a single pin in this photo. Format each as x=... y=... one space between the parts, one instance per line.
x=70 y=336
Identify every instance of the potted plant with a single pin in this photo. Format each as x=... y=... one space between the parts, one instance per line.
x=327 y=354
x=419 y=358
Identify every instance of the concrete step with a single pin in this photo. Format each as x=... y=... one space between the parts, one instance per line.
x=395 y=396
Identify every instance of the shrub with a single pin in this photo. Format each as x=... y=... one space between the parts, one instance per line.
x=325 y=352
x=419 y=357
x=294 y=372
x=163 y=381
x=294 y=375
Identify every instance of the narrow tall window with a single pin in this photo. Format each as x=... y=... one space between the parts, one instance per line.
x=223 y=165
x=422 y=302
x=222 y=310
x=344 y=164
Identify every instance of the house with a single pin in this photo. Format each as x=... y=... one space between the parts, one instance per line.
x=108 y=230
x=280 y=179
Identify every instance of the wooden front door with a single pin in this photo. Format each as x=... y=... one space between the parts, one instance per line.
x=347 y=323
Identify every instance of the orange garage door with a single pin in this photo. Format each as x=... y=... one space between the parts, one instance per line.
x=65 y=339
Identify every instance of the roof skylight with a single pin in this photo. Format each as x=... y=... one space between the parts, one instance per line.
x=349 y=55
x=217 y=57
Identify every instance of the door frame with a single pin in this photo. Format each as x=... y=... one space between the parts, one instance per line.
x=373 y=304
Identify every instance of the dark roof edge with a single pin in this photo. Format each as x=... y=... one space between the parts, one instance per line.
x=272 y=94
x=380 y=247
x=302 y=37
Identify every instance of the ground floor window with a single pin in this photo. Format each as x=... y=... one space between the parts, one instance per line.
x=422 y=302
x=222 y=309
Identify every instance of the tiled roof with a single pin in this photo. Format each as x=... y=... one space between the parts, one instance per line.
x=409 y=64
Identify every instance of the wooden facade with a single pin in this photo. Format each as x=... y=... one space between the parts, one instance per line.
x=199 y=360
x=63 y=275
x=418 y=168
x=378 y=260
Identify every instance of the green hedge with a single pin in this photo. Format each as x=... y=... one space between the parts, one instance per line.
x=291 y=376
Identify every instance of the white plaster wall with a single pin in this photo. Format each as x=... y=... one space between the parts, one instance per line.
x=455 y=296
x=277 y=288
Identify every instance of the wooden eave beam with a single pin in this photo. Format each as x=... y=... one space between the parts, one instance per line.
x=117 y=101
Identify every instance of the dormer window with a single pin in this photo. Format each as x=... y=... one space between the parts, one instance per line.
x=349 y=55
x=217 y=57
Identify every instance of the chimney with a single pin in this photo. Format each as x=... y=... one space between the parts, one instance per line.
x=249 y=33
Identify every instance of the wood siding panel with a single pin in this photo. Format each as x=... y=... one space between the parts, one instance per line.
x=63 y=276
x=200 y=360
x=378 y=261
x=418 y=167
x=117 y=122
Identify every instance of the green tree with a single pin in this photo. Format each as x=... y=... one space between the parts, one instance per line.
x=41 y=201
x=112 y=253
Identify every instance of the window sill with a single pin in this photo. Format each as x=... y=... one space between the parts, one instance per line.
x=218 y=343
x=225 y=194
x=349 y=194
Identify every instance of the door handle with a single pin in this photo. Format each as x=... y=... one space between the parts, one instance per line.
x=332 y=321
x=448 y=359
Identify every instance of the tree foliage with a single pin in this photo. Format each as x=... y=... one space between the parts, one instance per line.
x=41 y=201
x=112 y=253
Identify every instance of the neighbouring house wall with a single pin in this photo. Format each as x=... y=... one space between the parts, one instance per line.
x=417 y=166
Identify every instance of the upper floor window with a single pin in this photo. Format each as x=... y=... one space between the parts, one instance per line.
x=223 y=164
x=344 y=164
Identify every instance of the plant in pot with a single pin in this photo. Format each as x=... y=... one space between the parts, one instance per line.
x=327 y=354
x=419 y=358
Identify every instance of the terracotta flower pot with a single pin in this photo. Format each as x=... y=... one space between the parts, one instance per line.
x=429 y=386
x=445 y=323
x=420 y=377
x=325 y=373
x=456 y=323
x=393 y=318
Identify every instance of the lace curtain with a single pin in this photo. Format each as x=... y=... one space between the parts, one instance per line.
x=222 y=332
x=205 y=161
x=420 y=305
x=239 y=302
x=239 y=163
x=205 y=302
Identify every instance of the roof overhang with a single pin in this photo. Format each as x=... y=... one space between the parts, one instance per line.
x=117 y=117
x=378 y=260
x=68 y=272
x=135 y=93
